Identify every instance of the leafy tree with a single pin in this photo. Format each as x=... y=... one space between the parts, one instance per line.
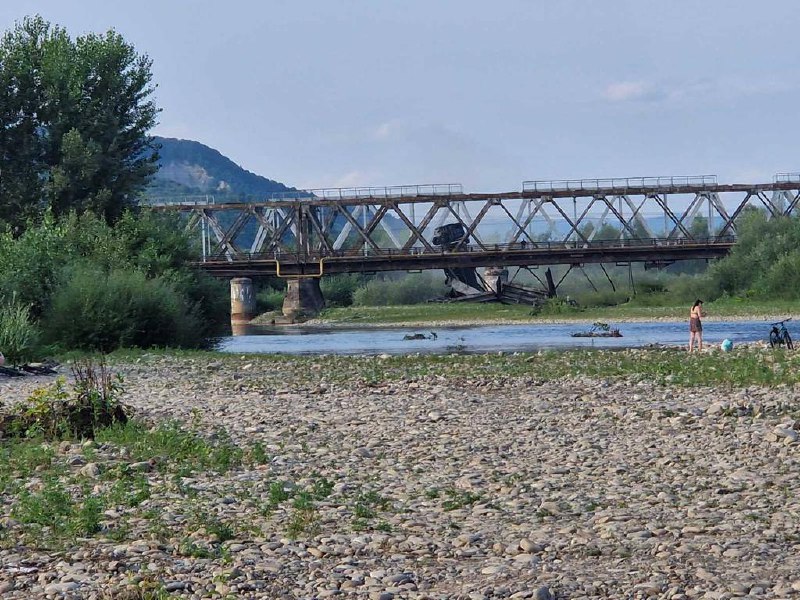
x=606 y=231
x=698 y=228
x=74 y=117
x=765 y=261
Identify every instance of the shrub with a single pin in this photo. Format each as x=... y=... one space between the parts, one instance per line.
x=269 y=300
x=602 y=298
x=764 y=260
x=339 y=290
x=686 y=289
x=209 y=298
x=56 y=412
x=412 y=289
x=31 y=264
x=782 y=279
x=555 y=306
x=98 y=311
x=18 y=334
x=147 y=242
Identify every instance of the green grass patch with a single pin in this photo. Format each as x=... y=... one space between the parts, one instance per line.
x=54 y=503
x=636 y=308
x=174 y=447
x=741 y=367
x=456 y=499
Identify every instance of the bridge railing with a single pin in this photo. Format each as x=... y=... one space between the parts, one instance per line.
x=290 y=256
x=397 y=191
x=617 y=183
x=787 y=178
x=351 y=193
x=200 y=200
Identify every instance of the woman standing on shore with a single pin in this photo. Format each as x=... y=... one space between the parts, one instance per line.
x=696 y=325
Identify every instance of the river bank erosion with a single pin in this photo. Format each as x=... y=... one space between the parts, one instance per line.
x=583 y=474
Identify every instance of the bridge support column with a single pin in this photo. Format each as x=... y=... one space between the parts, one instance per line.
x=303 y=298
x=243 y=302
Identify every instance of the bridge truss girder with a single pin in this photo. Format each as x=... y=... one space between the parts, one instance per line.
x=348 y=230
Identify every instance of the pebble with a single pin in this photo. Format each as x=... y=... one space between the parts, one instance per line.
x=439 y=487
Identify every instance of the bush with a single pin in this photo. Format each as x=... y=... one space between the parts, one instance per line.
x=602 y=298
x=18 y=334
x=56 y=412
x=339 y=290
x=555 y=306
x=686 y=289
x=154 y=245
x=783 y=279
x=98 y=311
x=209 y=298
x=269 y=300
x=31 y=264
x=764 y=261
x=412 y=289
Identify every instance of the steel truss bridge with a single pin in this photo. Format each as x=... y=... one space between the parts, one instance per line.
x=654 y=220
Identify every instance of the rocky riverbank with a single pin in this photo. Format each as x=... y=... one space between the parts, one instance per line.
x=431 y=487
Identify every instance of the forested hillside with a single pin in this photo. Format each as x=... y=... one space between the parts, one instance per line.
x=187 y=167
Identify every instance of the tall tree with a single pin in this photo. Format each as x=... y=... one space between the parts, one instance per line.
x=74 y=121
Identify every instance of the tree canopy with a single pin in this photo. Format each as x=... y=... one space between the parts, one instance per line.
x=74 y=122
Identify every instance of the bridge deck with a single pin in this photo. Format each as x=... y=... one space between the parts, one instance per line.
x=520 y=254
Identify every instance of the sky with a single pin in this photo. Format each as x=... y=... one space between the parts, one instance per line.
x=341 y=93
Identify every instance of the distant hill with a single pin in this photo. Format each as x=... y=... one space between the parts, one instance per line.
x=189 y=168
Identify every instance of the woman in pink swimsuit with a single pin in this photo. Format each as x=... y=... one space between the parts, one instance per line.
x=696 y=325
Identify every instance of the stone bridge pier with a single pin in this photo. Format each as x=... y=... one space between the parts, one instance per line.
x=243 y=303
x=303 y=297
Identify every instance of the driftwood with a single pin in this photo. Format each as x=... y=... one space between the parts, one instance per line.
x=40 y=368
x=599 y=330
x=9 y=372
x=420 y=336
x=614 y=333
x=29 y=369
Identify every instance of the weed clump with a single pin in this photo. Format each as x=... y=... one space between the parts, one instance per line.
x=57 y=412
x=18 y=334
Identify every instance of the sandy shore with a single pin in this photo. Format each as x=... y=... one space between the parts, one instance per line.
x=447 y=488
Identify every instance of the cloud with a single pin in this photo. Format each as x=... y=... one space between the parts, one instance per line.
x=387 y=130
x=622 y=91
x=694 y=91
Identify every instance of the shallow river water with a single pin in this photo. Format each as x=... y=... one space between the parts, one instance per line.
x=481 y=338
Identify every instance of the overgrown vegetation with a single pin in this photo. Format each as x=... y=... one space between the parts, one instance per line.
x=411 y=289
x=71 y=454
x=57 y=412
x=18 y=334
x=78 y=265
x=86 y=284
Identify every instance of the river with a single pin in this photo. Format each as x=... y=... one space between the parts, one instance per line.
x=480 y=338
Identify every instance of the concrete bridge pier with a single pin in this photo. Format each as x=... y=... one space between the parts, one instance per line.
x=303 y=297
x=243 y=304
